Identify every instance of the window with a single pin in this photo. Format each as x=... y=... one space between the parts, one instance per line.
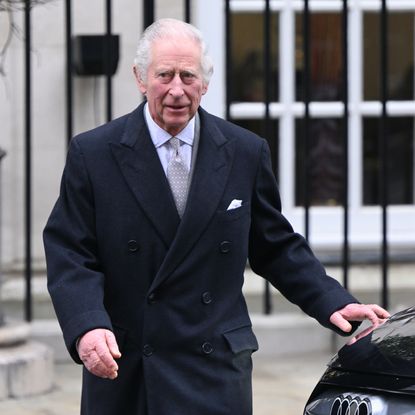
x=247 y=58
x=326 y=110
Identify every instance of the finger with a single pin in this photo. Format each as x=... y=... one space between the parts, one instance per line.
x=371 y=316
x=377 y=314
x=380 y=312
x=94 y=365
x=112 y=345
x=360 y=312
x=99 y=369
x=360 y=335
x=352 y=341
x=104 y=354
x=339 y=321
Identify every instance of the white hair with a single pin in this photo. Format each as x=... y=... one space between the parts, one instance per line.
x=170 y=28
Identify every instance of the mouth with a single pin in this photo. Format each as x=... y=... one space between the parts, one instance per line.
x=176 y=107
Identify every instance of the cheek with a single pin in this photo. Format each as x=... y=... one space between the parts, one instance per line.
x=197 y=94
x=157 y=92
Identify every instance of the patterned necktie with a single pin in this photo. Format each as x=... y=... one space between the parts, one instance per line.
x=178 y=176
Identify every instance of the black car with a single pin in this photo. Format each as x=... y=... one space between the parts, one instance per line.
x=374 y=375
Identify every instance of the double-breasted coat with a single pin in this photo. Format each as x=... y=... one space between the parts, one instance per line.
x=119 y=257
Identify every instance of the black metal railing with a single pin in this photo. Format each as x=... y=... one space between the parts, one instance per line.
x=28 y=161
x=383 y=137
x=345 y=124
x=2 y=154
x=148 y=18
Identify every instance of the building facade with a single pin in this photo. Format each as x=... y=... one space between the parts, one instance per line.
x=247 y=108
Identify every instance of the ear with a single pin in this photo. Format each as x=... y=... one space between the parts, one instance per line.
x=140 y=83
x=205 y=88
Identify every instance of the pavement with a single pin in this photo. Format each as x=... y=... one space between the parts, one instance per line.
x=281 y=386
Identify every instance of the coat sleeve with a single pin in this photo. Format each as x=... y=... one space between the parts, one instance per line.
x=75 y=281
x=284 y=257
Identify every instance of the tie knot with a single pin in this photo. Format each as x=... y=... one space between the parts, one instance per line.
x=175 y=143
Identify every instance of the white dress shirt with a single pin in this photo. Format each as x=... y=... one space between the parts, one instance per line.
x=161 y=137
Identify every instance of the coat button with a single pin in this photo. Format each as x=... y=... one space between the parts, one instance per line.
x=151 y=299
x=132 y=245
x=147 y=350
x=207 y=348
x=207 y=297
x=225 y=247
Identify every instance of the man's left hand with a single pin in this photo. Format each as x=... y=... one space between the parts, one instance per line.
x=358 y=312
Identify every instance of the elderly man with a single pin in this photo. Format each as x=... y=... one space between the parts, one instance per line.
x=147 y=244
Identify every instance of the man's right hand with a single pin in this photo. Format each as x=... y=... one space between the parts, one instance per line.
x=98 y=349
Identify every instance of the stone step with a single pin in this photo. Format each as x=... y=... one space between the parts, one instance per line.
x=26 y=369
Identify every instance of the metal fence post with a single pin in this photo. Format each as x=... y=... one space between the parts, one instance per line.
x=2 y=154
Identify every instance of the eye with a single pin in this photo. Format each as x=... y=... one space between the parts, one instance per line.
x=165 y=76
x=187 y=77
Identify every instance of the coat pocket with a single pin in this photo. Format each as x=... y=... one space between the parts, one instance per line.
x=241 y=339
x=234 y=214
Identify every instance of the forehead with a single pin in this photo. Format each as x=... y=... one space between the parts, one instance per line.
x=179 y=51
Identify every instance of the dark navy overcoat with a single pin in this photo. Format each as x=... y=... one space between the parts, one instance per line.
x=119 y=257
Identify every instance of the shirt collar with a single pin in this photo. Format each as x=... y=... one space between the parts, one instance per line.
x=160 y=136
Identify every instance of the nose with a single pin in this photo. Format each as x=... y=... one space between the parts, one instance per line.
x=176 y=86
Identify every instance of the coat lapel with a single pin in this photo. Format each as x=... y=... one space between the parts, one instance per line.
x=212 y=168
x=140 y=165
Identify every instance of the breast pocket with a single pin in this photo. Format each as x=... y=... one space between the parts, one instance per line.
x=234 y=214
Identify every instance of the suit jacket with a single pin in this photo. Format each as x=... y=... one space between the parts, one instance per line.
x=119 y=257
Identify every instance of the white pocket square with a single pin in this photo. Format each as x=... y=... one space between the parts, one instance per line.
x=235 y=204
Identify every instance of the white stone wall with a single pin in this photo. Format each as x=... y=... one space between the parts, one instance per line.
x=48 y=89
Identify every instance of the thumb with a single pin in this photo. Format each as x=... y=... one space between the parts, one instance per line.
x=112 y=344
x=339 y=321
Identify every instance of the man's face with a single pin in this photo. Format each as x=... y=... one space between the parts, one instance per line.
x=174 y=85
